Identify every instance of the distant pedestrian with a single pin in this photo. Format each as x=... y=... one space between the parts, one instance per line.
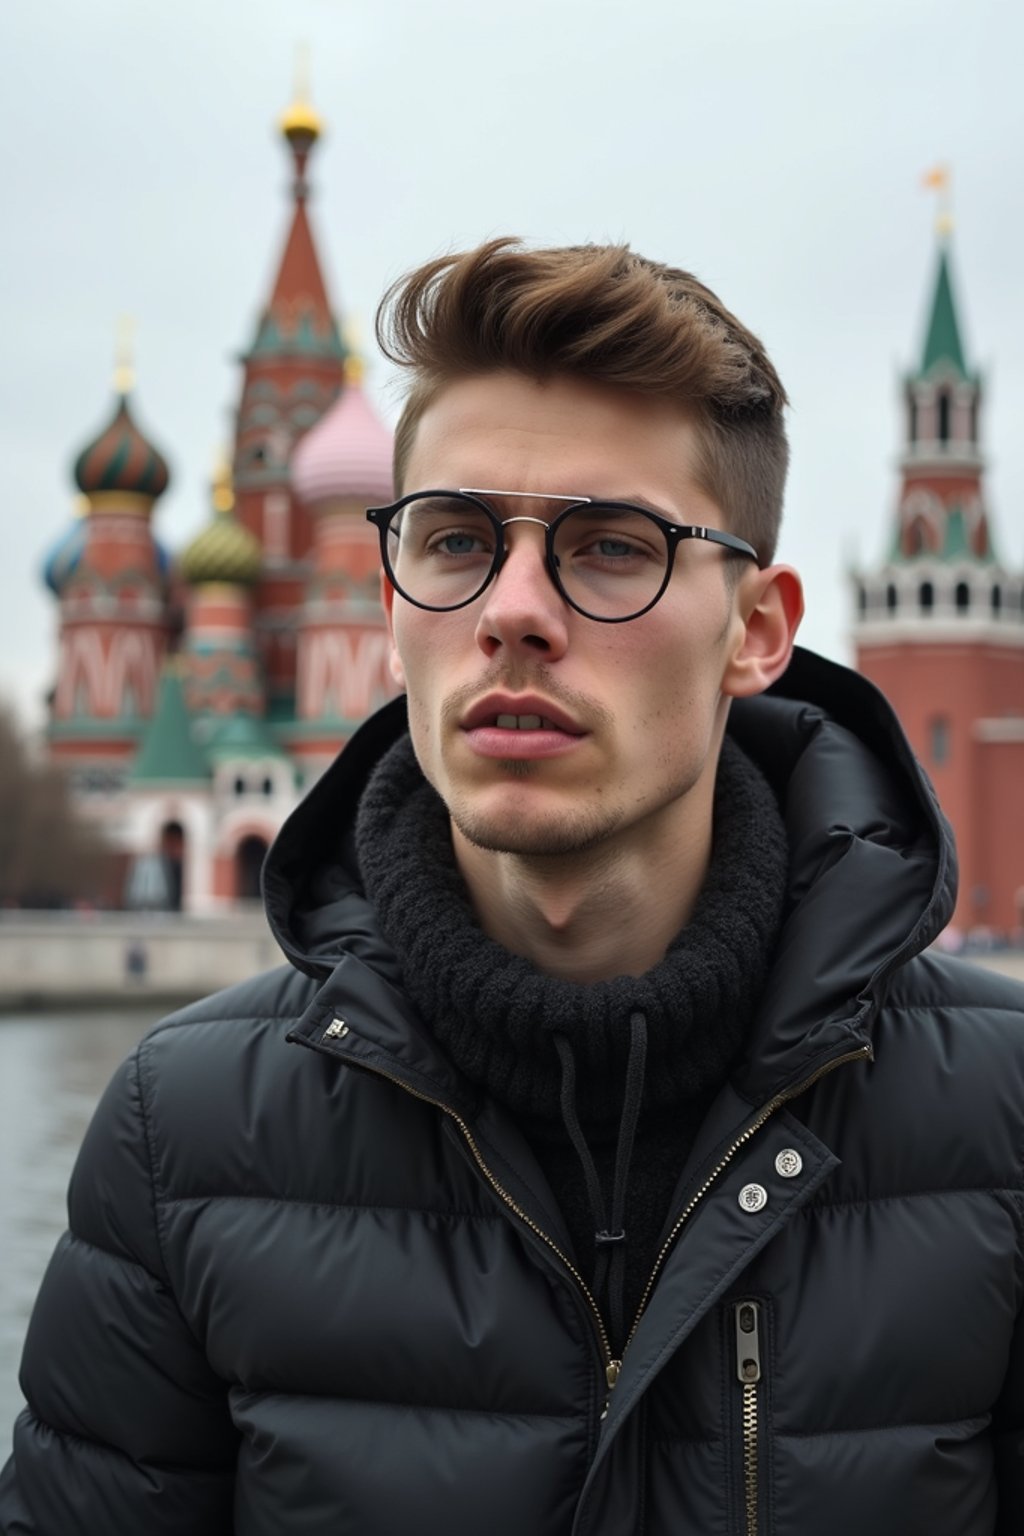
x=136 y=962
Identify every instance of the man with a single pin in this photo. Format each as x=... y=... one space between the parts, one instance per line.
x=641 y=1173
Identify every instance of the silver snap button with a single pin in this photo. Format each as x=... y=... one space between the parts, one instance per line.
x=789 y=1163
x=753 y=1197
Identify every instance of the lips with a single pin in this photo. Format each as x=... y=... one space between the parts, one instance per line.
x=505 y=713
x=525 y=723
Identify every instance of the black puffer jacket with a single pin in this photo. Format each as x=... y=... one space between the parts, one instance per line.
x=318 y=1291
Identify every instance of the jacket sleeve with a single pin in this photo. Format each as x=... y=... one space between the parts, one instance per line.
x=127 y=1428
x=1008 y=1428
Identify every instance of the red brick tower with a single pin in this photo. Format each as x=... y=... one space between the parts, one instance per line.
x=221 y=566
x=114 y=621
x=293 y=371
x=939 y=625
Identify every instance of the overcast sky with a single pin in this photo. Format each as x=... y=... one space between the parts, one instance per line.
x=774 y=147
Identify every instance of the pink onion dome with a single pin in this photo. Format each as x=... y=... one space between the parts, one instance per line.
x=347 y=455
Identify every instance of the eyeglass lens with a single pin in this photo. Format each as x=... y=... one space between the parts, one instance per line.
x=611 y=560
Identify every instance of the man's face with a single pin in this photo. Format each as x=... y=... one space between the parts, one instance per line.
x=631 y=714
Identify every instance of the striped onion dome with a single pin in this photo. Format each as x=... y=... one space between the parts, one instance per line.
x=224 y=551
x=347 y=455
x=121 y=459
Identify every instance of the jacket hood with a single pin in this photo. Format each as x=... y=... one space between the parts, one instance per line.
x=311 y=886
x=872 y=867
x=872 y=864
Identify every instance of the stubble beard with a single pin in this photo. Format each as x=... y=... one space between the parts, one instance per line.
x=566 y=830
x=550 y=836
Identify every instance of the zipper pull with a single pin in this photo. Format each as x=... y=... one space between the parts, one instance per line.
x=611 y=1376
x=748 y=1369
x=748 y=1342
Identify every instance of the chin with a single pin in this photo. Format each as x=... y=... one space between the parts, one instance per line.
x=551 y=834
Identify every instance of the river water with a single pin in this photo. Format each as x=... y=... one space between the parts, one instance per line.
x=53 y=1068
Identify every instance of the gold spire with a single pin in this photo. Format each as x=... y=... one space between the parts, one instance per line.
x=124 y=370
x=355 y=363
x=300 y=117
x=937 y=180
x=223 y=497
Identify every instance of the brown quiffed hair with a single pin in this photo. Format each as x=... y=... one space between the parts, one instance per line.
x=603 y=313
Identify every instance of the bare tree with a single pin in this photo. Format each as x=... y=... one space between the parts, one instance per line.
x=48 y=855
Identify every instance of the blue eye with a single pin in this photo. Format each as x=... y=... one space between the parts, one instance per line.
x=459 y=543
x=614 y=548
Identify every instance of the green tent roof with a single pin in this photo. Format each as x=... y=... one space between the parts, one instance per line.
x=241 y=736
x=942 y=342
x=168 y=749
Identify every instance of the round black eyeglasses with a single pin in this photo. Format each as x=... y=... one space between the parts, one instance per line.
x=610 y=560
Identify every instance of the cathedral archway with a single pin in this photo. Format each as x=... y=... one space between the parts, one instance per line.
x=249 y=856
x=172 y=854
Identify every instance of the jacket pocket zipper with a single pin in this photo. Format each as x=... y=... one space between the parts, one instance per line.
x=748 y=1371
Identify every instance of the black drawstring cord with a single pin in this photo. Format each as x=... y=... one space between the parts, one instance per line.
x=571 y=1119
x=635 y=1071
x=609 y=1238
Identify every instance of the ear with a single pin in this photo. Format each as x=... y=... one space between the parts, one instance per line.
x=387 y=598
x=769 y=607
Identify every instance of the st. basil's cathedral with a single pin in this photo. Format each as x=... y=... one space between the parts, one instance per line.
x=195 y=699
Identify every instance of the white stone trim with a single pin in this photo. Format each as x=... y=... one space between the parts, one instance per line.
x=962 y=632
x=1001 y=729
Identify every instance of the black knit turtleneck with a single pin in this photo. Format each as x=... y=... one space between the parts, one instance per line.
x=497 y=1017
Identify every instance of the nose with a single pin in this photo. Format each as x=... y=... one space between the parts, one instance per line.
x=523 y=610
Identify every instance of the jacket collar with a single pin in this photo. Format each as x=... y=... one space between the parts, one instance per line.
x=872 y=879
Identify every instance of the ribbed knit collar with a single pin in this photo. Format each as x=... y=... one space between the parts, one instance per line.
x=494 y=1013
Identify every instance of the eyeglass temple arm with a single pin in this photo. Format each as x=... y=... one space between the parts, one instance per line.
x=714 y=536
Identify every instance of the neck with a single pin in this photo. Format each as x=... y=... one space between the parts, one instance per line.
x=595 y=914
x=494 y=1012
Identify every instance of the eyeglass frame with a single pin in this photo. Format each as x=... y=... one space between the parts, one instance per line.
x=673 y=533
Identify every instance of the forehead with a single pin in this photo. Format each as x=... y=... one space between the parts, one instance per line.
x=560 y=435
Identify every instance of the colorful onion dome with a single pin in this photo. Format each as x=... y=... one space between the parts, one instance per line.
x=224 y=551
x=62 y=560
x=164 y=563
x=347 y=455
x=120 y=459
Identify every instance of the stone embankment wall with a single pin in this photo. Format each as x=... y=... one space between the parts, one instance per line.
x=49 y=959
x=1008 y=962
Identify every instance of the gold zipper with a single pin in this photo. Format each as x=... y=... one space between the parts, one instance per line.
x=862 y=1053
x=612 y=1367
x=748 y=1370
